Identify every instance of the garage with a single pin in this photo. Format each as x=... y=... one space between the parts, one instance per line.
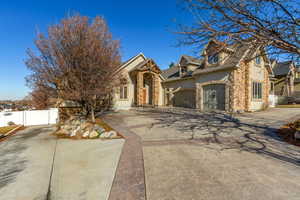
x=185 y=98
x=214 y=97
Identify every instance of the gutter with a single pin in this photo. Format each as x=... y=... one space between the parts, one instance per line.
x=213 y=69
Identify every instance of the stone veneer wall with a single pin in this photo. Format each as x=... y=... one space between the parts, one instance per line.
x=140 y=85
x=240 y=86
x=155 y=90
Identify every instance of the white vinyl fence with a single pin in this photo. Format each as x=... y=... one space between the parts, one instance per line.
x=29 y=118
x=273 y=100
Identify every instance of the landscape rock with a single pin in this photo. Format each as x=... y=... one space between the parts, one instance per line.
x=109 y=134
x=86 y=134
x=112 y=134
x=93 y=134
x=99 y=129
x=74 y=132
x=78 y=127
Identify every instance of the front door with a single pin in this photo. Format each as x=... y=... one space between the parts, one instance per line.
x=214 y=97
x=144 y=96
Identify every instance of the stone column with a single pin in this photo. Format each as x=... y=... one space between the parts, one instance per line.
x=171 y=97
x=155 y=90
x=139 y=89
x=198 y=96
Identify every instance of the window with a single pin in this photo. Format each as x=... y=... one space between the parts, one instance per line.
x=213 y=59
x=183 y=69
x=123 y=92
x=257 y=60
x=256 y=90
x=272 y=87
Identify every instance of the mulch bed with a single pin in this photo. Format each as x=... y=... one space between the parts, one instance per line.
x=287 y=132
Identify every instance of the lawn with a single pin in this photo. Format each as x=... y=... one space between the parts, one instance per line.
x=6 y=129
x=288 y=106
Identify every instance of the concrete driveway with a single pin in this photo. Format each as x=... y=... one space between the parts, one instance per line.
x=35 y=165
x=192 y=155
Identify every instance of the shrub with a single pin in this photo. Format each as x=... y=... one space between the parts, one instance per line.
x=11 y=123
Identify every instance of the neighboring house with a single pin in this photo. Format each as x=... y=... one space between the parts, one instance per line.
x=286 y=78
x=226 y=78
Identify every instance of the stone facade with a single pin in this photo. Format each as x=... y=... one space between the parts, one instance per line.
x=240 y=84
x=183 y=87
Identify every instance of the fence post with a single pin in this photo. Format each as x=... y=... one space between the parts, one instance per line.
x=24 y=117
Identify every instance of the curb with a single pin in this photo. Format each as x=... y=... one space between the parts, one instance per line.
x=10 y=133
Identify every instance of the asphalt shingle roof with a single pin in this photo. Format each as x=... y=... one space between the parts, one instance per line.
x=282 y=68
x=172 y=72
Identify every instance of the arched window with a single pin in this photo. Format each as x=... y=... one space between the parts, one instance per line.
x=213 y=59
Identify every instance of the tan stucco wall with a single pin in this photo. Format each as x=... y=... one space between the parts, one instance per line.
x=161 y=93
x=259 y=74
x=188 y=83
x=127 y=104
x=216 y=76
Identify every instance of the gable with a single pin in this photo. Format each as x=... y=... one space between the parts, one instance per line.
x=132 y=62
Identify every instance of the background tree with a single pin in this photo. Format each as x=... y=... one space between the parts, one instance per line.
x=171 y=64
x=76 y=62
x=40 y=98
x=274 y=24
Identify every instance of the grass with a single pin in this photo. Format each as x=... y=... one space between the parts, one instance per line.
x=288 y=106
x=6 y=129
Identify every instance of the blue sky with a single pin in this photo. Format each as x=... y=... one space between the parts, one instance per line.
x=142 y=26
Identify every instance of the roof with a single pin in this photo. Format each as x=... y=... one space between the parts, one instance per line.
x=240 y=52
x=172 y=72
x=124 y=64
x=142 y=64
x=192 y=60
x=282 y=68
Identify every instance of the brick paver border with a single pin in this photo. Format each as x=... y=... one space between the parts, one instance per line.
x=129 y=181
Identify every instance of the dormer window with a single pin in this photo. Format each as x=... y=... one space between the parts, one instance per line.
x=257 y=60
x=213 y=59
x=183 y=70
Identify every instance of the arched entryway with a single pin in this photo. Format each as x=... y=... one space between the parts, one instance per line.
x=148 y=89
x=147 y=83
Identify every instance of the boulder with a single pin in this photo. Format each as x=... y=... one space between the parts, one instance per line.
x=93 y=134
x=112 y=134
x=74 y=132
x=109 y=134
x=62 y=132
x=99 y=129
x=86 y=134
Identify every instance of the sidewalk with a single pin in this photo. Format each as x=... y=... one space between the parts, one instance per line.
x=82 y=169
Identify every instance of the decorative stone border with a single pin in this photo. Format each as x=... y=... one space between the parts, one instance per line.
x=129 y=181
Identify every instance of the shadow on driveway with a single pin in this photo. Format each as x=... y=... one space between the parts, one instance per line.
x=231 y=132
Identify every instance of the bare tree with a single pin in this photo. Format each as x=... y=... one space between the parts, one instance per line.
x=76 y=61
x=273 y=24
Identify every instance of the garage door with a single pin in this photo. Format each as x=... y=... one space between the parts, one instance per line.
x=185 y=98
x=214 y=97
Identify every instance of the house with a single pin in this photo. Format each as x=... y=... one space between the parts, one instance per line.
x=227 y=77
x=286 y=78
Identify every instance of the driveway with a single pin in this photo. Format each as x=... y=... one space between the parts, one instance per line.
x=35 y=165
x=192 y=155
